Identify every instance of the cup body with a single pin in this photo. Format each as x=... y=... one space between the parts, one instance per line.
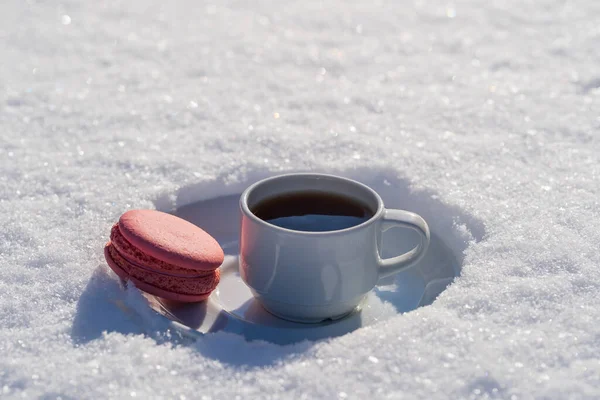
x=309 y=276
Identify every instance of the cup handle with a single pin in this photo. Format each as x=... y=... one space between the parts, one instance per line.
x=404 y=219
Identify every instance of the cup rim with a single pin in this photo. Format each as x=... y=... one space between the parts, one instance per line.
x=246 y=210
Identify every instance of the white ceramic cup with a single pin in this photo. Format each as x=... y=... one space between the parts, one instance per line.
x=313 y=276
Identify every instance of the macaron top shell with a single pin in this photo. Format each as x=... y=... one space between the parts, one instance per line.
x=171 y=239
x=145 y=261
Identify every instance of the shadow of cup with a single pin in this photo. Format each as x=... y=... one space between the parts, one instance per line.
x=438 y=268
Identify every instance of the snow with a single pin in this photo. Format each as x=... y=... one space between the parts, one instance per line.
x=486 y=113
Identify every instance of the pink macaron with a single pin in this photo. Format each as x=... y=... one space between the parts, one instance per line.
x=164 y=255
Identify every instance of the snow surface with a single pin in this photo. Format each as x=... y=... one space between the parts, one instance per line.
x=484 y=110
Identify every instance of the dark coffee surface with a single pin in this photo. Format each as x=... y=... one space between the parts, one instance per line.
x=317 y=223
x=312 y=211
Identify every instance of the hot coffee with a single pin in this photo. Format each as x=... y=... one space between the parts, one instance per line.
x=312 y=211
x=301 y=275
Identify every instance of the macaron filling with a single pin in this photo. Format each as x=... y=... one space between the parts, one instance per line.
x=191 y=286
x=157 y=291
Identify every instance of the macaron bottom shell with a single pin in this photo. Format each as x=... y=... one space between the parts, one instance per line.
x=197 y=289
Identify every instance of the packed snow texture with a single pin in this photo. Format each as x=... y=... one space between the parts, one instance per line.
x=488 y=112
